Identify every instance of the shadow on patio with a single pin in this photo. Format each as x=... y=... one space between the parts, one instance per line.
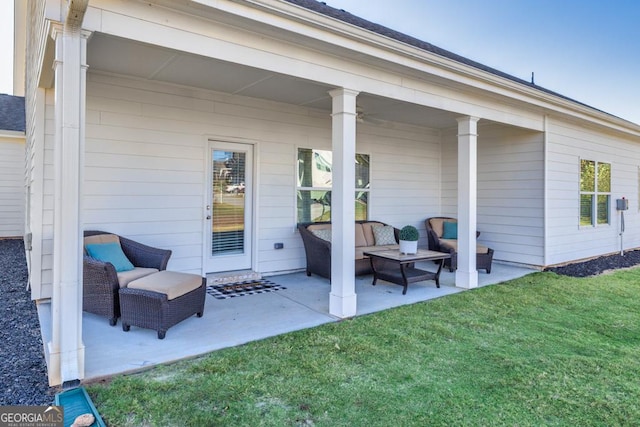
x=234 y=321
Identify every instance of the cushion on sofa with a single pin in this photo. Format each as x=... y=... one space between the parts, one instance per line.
x=383 y=235
x=323 y=231
x=125 y=277
x=437 y=224
x=101 y=238
x=360 y=239
x=368 y=232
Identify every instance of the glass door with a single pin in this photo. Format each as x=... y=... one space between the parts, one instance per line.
x=229 y=214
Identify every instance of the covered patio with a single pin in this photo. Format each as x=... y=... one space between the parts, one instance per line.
x=149 y=106
x=236 y=321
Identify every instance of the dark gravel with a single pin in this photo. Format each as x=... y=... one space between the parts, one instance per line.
x=23 y=371
x=599 y=265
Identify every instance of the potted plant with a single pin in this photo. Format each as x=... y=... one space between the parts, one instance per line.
x=409 y=239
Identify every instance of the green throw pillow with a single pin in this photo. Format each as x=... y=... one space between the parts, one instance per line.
x=450 y=230
x=110 y=252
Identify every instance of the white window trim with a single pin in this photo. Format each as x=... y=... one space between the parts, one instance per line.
x=595 y=193
x=296 y=188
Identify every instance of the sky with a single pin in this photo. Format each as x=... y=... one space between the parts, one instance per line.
x=588 y=50
x=6 y=47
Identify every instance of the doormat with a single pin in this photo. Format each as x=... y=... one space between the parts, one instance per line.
x=238 y=289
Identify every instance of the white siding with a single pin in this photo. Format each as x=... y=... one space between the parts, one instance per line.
x=43 y=198
x=405 y=170
x=40 y=257
x=145 y=174
x=510 y=191
x=144 y=171
x=568 y=143
x=12 y=198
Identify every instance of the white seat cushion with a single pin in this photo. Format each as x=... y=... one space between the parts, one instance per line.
x=125 y=277
x=171 y=283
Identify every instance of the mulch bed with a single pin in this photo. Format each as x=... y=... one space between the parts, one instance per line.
x=23 y=371
x=599 y=265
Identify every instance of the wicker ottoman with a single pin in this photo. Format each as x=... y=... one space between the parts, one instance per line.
x=161 y=300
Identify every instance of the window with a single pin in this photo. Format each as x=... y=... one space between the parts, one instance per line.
x=314 y=185
x=229 y=205
x=595 y=192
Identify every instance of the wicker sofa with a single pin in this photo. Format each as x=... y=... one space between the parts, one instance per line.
x=439 y=242
x=101 y=282
x=317 y=245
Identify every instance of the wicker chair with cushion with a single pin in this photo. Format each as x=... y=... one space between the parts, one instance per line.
x=101 y=278
x=442 y=233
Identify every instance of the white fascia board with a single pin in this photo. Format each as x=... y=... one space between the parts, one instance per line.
x=12 y=134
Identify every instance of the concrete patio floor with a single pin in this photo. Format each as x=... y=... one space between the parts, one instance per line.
x=235 y=321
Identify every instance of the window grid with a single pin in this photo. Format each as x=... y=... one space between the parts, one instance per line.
x=595 y=193
x=314 y=184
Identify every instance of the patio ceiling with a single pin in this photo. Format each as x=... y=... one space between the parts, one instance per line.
x=121 y=56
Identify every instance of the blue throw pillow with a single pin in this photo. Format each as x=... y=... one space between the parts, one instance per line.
x=110 y=252
x=450 y=230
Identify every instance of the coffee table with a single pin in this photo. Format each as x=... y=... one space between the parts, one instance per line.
x=399 y=268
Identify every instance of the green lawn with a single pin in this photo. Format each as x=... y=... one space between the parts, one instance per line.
x=544 y=350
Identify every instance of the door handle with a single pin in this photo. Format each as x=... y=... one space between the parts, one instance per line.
x=208 y=216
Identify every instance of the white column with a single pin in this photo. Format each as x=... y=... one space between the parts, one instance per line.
x=466 y=274
x=342 y=300
x=66 y=349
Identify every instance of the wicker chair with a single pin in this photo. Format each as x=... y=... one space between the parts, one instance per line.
x=100 y=284
x=484 y=255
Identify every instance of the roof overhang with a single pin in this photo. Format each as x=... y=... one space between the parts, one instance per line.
x=348 y=36
x=284 y=22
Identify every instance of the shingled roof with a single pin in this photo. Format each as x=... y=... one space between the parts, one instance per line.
x=344 y=16
x=12 y=113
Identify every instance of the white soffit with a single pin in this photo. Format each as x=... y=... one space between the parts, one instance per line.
x=115 y=55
